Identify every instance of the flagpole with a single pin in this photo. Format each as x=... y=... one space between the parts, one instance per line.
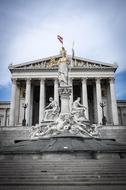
x=72 y=54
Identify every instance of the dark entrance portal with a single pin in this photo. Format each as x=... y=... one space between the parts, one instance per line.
x=90 y=103
x=36 y=94
x=49 y=90
x=77 y=89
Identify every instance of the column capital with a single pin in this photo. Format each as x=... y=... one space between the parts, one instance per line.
x=112 y=79
x=28 y=81
x=98 y=79
x=84 y=79
x=55 y=79
x=71 y=80
x=14 y=80
x=42 y=79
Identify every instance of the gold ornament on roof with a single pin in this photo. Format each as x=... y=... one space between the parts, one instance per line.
x=52 y=62
x=63 y=53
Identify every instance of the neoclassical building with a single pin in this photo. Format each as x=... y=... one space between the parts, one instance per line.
x=35 y=81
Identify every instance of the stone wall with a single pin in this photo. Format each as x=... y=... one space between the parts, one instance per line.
x=116 y=132
x=8 y=135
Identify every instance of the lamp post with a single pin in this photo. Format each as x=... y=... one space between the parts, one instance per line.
x=102 y=104
x=24 y=120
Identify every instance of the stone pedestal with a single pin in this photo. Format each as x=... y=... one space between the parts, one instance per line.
x=65 y=93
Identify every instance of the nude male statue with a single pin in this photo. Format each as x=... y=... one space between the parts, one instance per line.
x=78 y=108
x=52 y=109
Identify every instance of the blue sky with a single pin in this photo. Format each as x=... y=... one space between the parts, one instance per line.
x=29 y=28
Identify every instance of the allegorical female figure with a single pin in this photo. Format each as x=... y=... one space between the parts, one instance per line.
x=63 y=68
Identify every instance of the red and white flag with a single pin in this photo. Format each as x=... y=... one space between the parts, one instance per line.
x=60 y=39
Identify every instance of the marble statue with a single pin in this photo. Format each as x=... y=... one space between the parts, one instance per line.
x=78 y=109
x=94 y=130
x=63 y=68
x=53 y=62
x=54 y=128
x=52 y=110
x=64 y=122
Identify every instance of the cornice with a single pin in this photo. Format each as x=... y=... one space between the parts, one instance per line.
x=77 y=63
x=77 y=69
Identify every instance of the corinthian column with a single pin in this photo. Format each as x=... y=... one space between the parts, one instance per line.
x=28 y=100
x=13 y=103
x=113 y=102
x=84 y=96
x=42 y=100
x=56 y=93
x=99 y=100
x=71 y=96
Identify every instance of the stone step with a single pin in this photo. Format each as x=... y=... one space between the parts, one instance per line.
x=62 y=162
x=38 y=174
x=62 y=187
x=67 y=166
x=59 y=182
x=64 y=169
x=63 y=177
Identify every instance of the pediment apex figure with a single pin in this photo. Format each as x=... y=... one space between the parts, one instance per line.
x=63 y=68
x=63 y=55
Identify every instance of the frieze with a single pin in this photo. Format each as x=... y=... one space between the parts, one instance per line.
x=78 y=63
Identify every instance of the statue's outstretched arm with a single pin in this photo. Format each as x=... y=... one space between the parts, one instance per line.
x=81 y=105
x=48 y=106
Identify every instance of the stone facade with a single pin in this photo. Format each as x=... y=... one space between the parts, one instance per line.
x=122 y=112
x=34 y=82
x=5 y=107
x=4 y=113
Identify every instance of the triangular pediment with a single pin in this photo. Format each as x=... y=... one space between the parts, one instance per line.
x=52 y=63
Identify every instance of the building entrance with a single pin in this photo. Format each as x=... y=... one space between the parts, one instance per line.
x=36 y=94
x=49 y=91
x=77 y=89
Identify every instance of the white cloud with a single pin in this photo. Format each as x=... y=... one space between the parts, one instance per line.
x=42 y=40
x=92 y=31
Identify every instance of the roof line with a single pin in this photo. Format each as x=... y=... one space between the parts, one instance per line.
x=57 y=56
x=31 y=62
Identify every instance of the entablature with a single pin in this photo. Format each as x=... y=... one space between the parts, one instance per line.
x=51 y=64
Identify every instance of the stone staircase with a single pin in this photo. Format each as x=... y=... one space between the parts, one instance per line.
x=32 y=173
